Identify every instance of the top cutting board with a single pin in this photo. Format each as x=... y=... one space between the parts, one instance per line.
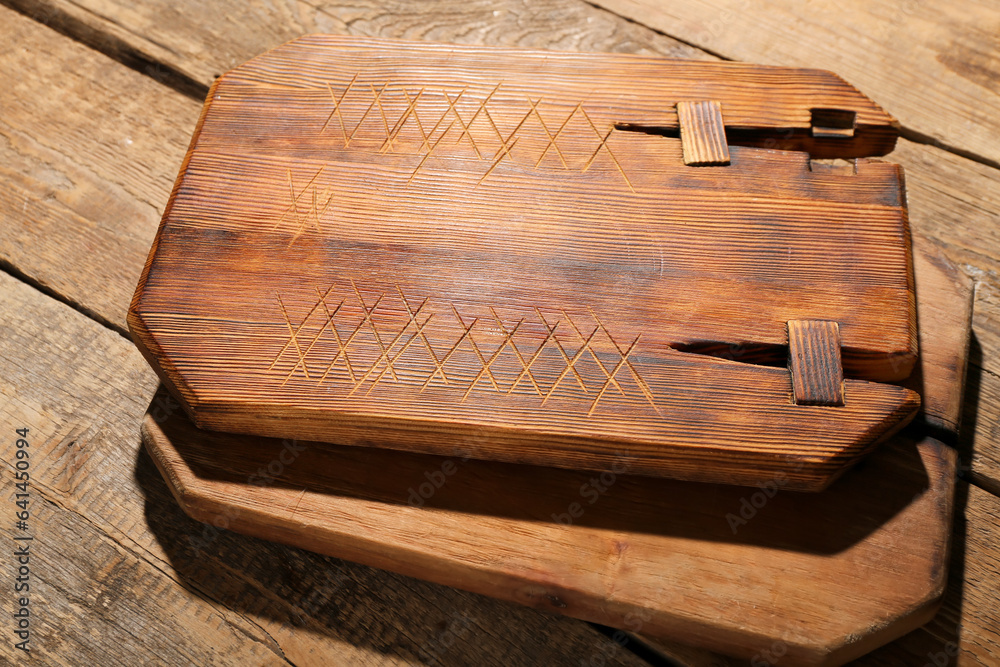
x=578 y=260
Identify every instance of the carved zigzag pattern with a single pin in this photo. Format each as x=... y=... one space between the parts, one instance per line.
x=366 y=351
x=431 y=114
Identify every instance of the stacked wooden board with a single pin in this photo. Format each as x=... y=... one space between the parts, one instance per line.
x=277 y=307
x=120 y=165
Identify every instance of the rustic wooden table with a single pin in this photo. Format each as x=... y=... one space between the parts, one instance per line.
x=99 y=101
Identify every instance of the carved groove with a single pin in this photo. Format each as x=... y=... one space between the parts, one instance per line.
x=392 y=111
x=306 y=352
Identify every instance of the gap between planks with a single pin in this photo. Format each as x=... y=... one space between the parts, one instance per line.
x=21 y=276
x=110 y=45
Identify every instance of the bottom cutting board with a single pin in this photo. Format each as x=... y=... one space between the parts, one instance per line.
x=755 y=572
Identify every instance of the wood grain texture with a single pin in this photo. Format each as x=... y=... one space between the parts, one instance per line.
x=982 y=416
x=958 y=203
x=670 y=567
x=963 y=632
x=703 y=133
x=952 y=199
x=484 y=303
x=814 y=362
x=658 y=556
x=940 y=376
x=124 y=577
x=783 y=101
x=934 y=60
x=87 y=168
x=163 y=38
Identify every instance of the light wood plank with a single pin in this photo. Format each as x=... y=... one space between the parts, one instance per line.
x=176 y=34
x=931 y=64
x=667 y=558
x=966 y=631
x=89 y=151
x=957 y=203
x=951 y=198
x=938 y=378
x=980 y=443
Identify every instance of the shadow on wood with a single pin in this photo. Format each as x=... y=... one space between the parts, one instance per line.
x=312 y=598
x=854 y=507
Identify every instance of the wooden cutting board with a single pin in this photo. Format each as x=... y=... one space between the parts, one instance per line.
x=546 y=258
x=762 y=574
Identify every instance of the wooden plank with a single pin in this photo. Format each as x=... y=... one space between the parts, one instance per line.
x=84 y=182
x=954 y=201
x=951 y=199
x=814 y=362
x=94 y=599
x=88 y=153
x=940 y=381
x=124 y=577
x=980 y=444
x=703 y=133
x=937 y=378
x=516 y=532
x=946 y=92
x=957 y=203
x=89 y=448
x=163 y=38
x=624 y=90
x=966 y=631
